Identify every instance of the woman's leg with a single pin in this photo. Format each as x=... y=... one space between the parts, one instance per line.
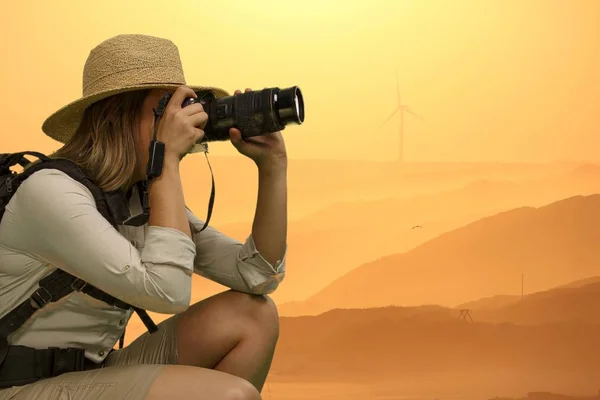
x=185 y=382
x=231 y=332
x=138 y=382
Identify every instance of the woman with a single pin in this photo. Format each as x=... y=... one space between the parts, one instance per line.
x=219 y=348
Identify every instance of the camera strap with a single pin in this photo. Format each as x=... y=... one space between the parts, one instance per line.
x=154 y=167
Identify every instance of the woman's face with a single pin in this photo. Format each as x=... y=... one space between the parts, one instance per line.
x=145 y=131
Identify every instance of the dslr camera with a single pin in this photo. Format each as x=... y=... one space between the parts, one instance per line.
x=253 y=113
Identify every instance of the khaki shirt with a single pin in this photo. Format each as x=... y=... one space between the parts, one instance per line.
x=52 y=221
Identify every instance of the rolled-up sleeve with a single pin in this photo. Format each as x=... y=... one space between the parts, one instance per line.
x=234 y=264
x=54 y=219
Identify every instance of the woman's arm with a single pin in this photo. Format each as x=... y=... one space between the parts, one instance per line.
x=258 y=265
x=236 y=265
x=165 y=196
x=54 y=219
x=269 y=228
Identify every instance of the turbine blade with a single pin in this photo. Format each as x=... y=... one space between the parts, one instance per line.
x=408 y=110
x=387 y=119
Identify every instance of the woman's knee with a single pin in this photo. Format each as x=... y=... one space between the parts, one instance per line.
x=259 y=310
x=228 y=317
x=242 y=390
x=187 y=383
x=256 y=311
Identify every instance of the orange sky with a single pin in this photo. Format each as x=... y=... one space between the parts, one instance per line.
x=502 y=80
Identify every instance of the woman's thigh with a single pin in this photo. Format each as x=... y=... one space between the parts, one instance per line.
x=120 y=382
x=183 y=382
x=138 y=382
x=130 y=370
x=159 y=347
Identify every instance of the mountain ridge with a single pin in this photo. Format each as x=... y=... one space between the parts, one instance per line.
x=567 y=228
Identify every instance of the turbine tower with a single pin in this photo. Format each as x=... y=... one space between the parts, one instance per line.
x=402 y=108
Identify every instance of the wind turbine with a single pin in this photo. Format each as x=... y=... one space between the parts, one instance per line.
x=402 y=108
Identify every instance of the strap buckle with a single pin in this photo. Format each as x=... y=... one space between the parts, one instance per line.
x=78 y=285
x=69 y=359
x=41 y=297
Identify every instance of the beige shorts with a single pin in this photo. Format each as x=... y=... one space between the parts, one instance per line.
x=128 y=373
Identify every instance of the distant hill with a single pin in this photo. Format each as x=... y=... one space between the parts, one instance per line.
x=389 y=342
x=476 y=197
x=315 y=184
x=551 y=245
x=564 y=304
x=318 y=242
x=575 y=302
x=472 y=198
x=319 y=256
x=548 y=396
x=429 y=343
x=499 y=301
x=582 y=282
x=500 y=352
x=491 y=302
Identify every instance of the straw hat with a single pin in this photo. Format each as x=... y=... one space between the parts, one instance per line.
x=121 y=64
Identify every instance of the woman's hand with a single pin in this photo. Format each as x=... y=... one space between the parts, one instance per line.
x=265 y=150
x=181 y=128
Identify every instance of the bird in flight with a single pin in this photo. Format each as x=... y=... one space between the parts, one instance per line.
x=417 y=226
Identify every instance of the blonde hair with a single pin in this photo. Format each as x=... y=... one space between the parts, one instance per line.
x=105 y=144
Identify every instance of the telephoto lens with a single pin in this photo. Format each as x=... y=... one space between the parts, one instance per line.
x=253 y=113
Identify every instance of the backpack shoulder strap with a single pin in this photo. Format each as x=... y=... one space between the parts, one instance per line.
x=9 y=178
x=8 y=160
x=58 y=284
x=112 y=205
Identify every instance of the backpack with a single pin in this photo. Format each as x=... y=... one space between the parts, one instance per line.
x=35 y=364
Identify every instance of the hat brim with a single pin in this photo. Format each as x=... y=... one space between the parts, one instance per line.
x=63 y=124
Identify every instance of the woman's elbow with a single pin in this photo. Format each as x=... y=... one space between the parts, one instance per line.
x=259 y=276
x=178 y=302
x=169 y=296
x=269 y=285
x=164 y=305
x=176 y=307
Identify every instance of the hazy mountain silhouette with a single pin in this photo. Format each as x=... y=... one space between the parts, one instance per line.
x=548 y=396
x=318 y=257
x=477 y=197
x=502 y=300
x=491 y=302
x=315 y=184
x=550 y=245
x=574 y=302
x=388 y=342
x=581 y=282
x=502 y=348
x=564 y=304
x=318 y=243
x=429 y=343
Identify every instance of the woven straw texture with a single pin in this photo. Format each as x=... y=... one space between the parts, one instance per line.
x=121 y=64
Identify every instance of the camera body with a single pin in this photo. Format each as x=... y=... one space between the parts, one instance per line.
x=253 y=113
